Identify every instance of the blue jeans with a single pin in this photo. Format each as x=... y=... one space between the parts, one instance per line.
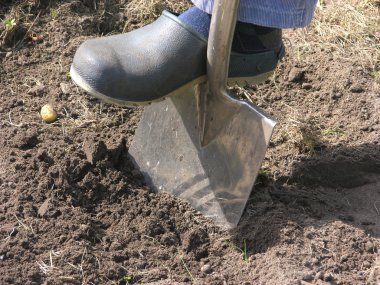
x=270 y=13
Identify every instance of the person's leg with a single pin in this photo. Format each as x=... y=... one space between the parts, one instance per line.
x=259 y=22
x=197 y=19
x=279 y=14
x=249 y=38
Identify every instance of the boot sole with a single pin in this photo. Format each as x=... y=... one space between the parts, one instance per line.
x=78 y=80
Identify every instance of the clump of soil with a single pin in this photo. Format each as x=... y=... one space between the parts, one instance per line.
x=74 y=210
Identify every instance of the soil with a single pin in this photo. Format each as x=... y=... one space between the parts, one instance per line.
x=75 y=211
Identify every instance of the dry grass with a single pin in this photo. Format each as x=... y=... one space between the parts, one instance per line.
x=344 y=29
x=90 y=117
x=349 y=32
x=298 y=131
x=142 y=12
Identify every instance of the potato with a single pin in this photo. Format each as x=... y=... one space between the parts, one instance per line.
x=48 y=114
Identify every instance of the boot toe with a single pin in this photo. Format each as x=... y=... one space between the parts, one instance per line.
x=95 y=67
x=142 y=66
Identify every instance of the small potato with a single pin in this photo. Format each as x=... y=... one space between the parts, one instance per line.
x=48 y=114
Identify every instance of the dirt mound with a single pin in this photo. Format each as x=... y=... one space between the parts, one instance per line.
x=74 y=210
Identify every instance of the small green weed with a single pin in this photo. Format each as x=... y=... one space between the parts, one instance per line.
x=54 y=13
x=9 y=24
x=332 y=132
x=374 y=73
x=321 y=3
x=242 y=250
x=126 y=278
x=264 y=172
x=187 y=270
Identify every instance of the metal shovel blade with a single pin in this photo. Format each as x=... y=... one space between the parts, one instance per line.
x=216 y=179
x=205 y=146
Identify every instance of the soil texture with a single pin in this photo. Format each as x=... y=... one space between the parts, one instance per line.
x=74 y=210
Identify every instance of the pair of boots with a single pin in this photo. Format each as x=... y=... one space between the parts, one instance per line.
x=162 y=58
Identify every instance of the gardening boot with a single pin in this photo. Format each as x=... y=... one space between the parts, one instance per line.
x=159 y=60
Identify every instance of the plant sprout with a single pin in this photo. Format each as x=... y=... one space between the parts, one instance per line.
x=9 y=23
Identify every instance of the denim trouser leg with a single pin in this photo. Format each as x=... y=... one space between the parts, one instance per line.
x=270 y=13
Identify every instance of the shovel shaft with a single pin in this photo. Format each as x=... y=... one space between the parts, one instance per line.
x=216 y=107
x=222 y=29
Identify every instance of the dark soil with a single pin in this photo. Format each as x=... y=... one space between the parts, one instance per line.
x=75 y=211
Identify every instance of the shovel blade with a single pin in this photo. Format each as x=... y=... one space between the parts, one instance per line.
x=216 y=179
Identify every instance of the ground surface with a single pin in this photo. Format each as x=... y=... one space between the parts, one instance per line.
x=74 y=211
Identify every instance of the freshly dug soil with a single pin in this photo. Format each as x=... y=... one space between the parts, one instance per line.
x=75 y=211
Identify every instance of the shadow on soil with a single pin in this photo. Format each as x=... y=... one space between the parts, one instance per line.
x=341 y=184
